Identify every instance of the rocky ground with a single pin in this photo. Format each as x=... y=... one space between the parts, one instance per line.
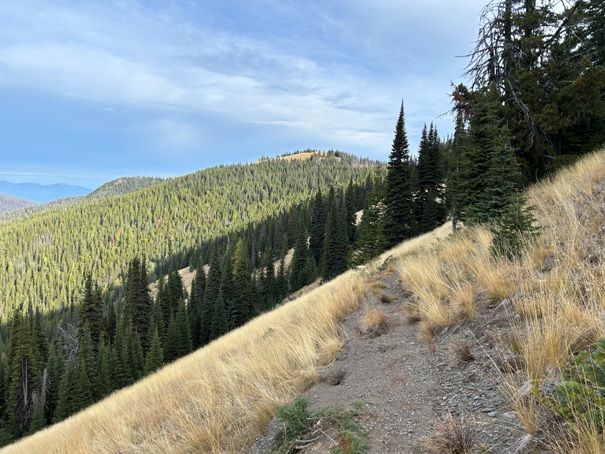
x=411 y=387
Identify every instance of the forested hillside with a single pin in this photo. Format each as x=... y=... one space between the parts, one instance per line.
x=44 y=257
x=9 y=203
x=119 y=186
x=75 y=279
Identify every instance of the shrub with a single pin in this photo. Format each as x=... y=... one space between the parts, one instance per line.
x=301 y=428
x=513 y=229
x=580 y=397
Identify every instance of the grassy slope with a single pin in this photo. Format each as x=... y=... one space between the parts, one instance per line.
x=218 y=398
x=557 y=288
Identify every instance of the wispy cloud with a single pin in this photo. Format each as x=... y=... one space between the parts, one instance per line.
x=333 y=70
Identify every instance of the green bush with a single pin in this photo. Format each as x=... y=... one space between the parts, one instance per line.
x=300 y=427
x=580 y=397
x=513 y=230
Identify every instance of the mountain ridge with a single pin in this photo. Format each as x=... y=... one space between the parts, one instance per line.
x=42 y=193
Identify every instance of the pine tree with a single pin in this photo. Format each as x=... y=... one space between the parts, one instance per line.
x=455 y=194
x=350 y=214
x=514 y=229
x=335 y=245
x=38 y=420
x=281 y=281
x=91 y=311
x=298 y=279
x=138 y=302
x=213 y=287
x=155 y=355
x=220 y=318
x=267 y=283
x=243 y=306
x=399 y=218
x=55 y=371
x=490 y=171
x=196 y=305
x=175 y=289
x=163 y=302
x=24 y=370
x=67 y=388
x=429 y=187
x=318 y=227
x=83 y=390
x=122 y=373
x=104 y=381
x=178 y=337
x=371 y=241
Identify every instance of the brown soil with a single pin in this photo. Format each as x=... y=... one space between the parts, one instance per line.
x=409 y=385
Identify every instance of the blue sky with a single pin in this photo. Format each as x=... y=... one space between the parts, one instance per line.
x=92 y=90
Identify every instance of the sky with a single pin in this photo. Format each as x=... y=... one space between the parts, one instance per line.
x=92 y=90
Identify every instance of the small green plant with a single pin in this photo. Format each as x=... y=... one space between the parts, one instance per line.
x=514 y=229
x=580 y=397
x=301 y=427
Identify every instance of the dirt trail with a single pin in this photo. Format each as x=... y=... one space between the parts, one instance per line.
x=409 y=385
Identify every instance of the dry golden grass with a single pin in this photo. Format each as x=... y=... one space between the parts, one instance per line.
x=217 y=399
x=374 y=322
x=557 y=286
x=220 y=397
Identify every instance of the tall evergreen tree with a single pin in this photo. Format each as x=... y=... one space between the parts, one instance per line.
x=399 y=218
x=489 y=173
x=455 y=194
x=281 y=281
x=138 y=302
x=213 y=287
x=335 y=244
x=243 y=306
x=91 y=310
x=318 y=227
x=25 y=373
x=350 y=212
x=155 y=355
x=55 y=370
x=67 y=388
x=429 y=196
x=371 y=241
x=196 y=305
x=104 y=380
x=122 y=372
x=220 y=317
x=83 y=391
x=298 y=278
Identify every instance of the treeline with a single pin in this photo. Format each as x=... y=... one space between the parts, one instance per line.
x=104 y=343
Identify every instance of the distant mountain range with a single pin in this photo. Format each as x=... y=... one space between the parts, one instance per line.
x=41 y=193
x=9 y=202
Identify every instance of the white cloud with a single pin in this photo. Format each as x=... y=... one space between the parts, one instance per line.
x=176 y=59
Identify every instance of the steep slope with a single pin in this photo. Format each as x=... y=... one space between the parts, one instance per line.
x=479 y=329
x=9 y=203
x=47 y=254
